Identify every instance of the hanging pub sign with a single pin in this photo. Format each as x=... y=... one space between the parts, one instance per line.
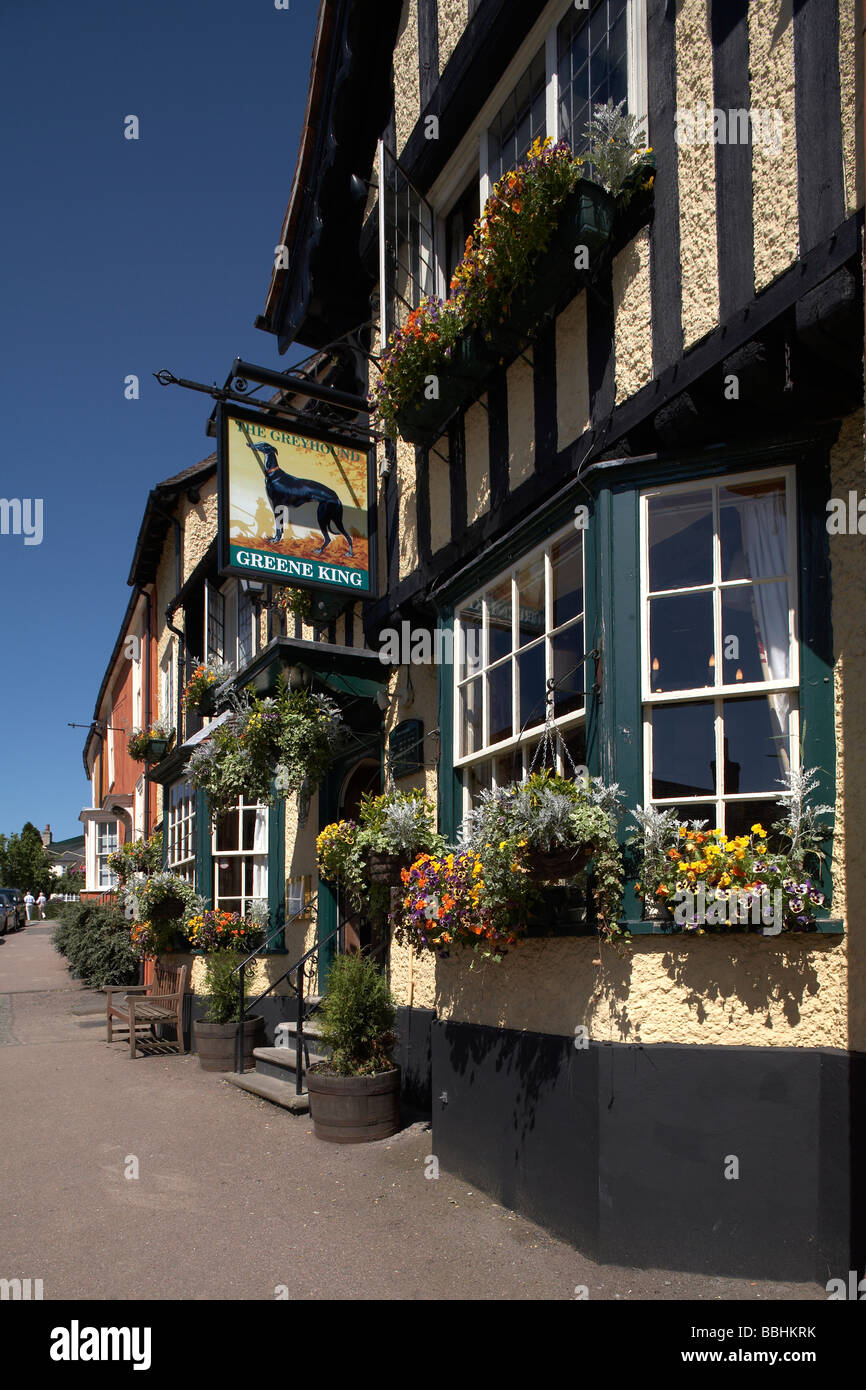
x=293 y=504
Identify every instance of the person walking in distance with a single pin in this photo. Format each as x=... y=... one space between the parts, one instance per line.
x=40 y=903
x=29 y=900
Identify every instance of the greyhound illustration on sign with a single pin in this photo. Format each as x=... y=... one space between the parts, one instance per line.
x=293 y=506
x=285 y=492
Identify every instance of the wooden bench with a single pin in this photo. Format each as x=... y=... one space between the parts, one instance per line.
x=140 y=1005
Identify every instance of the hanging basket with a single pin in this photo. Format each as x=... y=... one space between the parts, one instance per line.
x=547 y=866
x=385 y=868
x=168 y=909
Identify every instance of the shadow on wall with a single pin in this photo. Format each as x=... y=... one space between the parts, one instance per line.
x=676 y=989
x=766 y=979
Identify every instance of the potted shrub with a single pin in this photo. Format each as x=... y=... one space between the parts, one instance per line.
x=216 y=1034
x=355 y=1095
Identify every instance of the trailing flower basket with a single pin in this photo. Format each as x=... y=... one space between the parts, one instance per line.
x=386 y=868
x=547 y=866
x=168 y=909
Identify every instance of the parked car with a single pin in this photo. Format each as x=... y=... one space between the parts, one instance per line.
x=13 y=913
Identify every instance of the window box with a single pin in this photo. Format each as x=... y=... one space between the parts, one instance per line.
x=586 y=219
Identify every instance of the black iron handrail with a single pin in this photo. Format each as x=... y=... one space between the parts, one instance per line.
x=245 y=1007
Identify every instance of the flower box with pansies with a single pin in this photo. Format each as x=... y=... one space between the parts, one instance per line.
x=218 y=930
x=200 y=689
x=544 y=232
x=149 y=745
x=698 y=880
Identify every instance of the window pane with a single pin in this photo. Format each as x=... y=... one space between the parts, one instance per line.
x=499 y=696
x=680 y=540
x=568 y=670
x=477 y=780
x=531 y=682
x=575 y=745
x=756 y=615
x=740 y=816
x=684 y=750
x=227 y=831
x=681 y=642
x=229 y=877
x=530 y=611
x=249 y=841
x=567 y=558
x=509 y=767
x=470 y=624
x=499 y=620
x=756 y=736
x=470 y=716
x=753 y=529
x=696 y=810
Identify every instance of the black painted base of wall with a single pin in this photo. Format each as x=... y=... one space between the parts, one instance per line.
x=622 y=1149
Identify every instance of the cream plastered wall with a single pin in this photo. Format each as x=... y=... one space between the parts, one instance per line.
x=848 y=586
x=572 y=379
x=774 y=171
x=407 y=96
x=453 y=18
x=521 y=422
x=850 y=62
x=407 y=530
x=729 y=991
x=632 y=310
x=477 y=461
x=439 y=474
x=412 y=977
x=199 y=521
x=697 y=176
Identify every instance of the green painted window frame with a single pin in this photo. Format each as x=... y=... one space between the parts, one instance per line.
x=614 y=713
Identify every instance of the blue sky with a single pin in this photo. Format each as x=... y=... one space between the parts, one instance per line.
x=120 y=257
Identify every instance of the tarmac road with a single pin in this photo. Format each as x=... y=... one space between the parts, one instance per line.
x=234 y=1198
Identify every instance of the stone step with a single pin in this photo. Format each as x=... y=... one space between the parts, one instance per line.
x=281 y=1062
x=289 y=1030
x=270 y=1088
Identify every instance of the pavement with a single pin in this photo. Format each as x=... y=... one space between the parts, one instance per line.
x=151 y=1179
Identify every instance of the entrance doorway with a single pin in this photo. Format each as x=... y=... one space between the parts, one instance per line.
x=365 y=777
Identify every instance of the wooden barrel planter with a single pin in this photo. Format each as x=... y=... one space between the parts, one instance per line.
x=549 y=865
x=354 y=1109
x=216 y=1043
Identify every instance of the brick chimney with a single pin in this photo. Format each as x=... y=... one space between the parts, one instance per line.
x=46 y=836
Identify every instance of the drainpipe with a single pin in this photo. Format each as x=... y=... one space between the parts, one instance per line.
x=181 y=659
x=146 y=721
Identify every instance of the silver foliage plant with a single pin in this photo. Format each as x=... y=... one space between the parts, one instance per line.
x=544 y=816
x=802 y=823
x=617 y=145
x=404 y=825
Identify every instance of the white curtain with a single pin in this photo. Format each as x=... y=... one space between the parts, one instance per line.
x=260 y=848
x=765 y=533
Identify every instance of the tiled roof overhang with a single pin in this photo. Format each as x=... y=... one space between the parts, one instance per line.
x=324 y=292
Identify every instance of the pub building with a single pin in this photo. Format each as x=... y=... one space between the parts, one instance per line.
x=643 y=471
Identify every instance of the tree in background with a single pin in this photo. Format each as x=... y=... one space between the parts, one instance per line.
x=24 y=863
